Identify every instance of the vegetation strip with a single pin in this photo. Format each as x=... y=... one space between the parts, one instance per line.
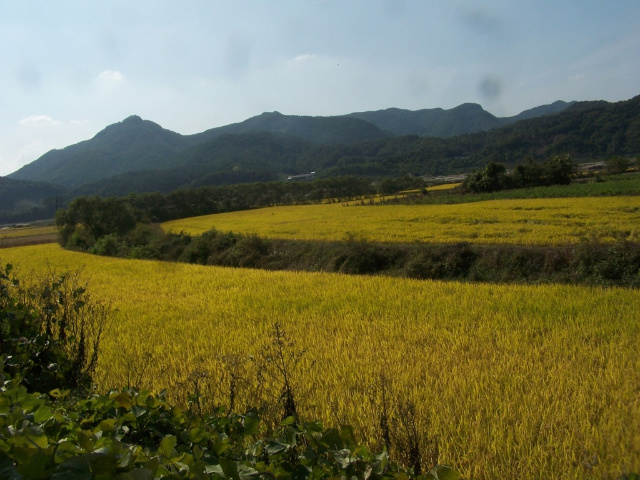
x=588 y=262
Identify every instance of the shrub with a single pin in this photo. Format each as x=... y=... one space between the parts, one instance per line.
x=109 y=245
x=50 y=330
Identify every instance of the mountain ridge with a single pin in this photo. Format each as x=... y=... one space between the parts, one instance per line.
x=135 y=144
x=137 y=155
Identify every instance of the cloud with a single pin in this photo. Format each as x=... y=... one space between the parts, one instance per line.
x=110 y=77
x=304 y=57
x=38 y=121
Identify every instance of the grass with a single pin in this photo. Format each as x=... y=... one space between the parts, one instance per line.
x=514 y=381
x=544 y=221
x=612 y=185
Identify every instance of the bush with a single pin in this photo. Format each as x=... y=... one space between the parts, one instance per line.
x=109 y=245
x=130 y=434
x=50 y=330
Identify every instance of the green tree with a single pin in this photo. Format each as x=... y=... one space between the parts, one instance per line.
x=96 y=217
x=491 y=179
x=617 y=164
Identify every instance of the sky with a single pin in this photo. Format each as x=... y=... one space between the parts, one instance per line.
x=70 y=68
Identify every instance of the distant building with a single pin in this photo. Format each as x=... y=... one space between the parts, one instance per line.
x=304 y=176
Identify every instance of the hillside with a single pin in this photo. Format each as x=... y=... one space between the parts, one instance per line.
x=319 y=130
x=21 y=193
x=24 y=200
x=133 y=144
x=224 y=160
x=461 y=120
x=137 y=155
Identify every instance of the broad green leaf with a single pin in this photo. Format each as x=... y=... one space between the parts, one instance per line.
x=123 y=399
x=230 y=468
x=167 y=445
x=138 y=411
x=246 y=473
x=443 y=472
x=65 y=451
x=106 y=425
x=43 y=414
x=274 y=447
x=196 y=435
x=217 y=469
x=85 y=440
x=251 y=423
x=332 y=439
x=288 y=421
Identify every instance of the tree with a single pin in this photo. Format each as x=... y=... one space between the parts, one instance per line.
x=617 y=164
x=95 y=217
x=491 y=179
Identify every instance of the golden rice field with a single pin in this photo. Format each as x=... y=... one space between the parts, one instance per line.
x=515 y=381
x=546 y=221
x=444 y=186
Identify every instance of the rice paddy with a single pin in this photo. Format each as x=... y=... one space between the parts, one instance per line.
x=513 y=381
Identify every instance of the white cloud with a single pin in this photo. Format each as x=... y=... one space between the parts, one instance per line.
x=38 y=121
x=304 y=57
x=110 y=77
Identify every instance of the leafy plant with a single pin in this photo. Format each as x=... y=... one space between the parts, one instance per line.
x=50 y=330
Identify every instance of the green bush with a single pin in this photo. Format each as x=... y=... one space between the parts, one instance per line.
x=109 y=245
x=50 y=330
x=130 y=434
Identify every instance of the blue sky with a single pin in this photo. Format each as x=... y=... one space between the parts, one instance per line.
x=70 y=68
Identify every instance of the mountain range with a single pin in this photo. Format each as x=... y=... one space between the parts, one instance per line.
x=135 y=144
x=137 y=155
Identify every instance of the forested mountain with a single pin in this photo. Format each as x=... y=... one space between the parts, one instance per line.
x=24 y=194
x=24 y=200
x=140 y=156
x=133 y=144
x=555 y=107
x=320 y=130
x=224 y=160
x=436 y=122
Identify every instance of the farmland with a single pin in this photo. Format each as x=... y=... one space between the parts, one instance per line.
x=514 y=381
x=31 y=235
x=546 y=221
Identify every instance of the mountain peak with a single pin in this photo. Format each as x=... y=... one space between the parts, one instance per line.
x=132 y=120
x=469 y=107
